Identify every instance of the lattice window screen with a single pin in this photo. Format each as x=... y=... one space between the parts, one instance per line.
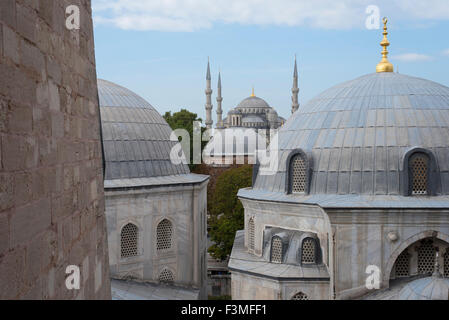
x=308 y=254
x=419 y=166
x=164 y=232
x=403 y=265
x=251 y=234
x=276 y=250
x=426 y=257
x=300 y=296
x=166 y=276
x=128 y=240
x=298 y=174
x=446 y=264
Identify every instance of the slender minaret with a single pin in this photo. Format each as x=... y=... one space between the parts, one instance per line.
x=295 y=89
x=208 y=92
x=219 y=100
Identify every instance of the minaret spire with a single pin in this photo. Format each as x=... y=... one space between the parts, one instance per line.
x=295 y=89
x=208 y=92
x=219 y=100
x=384 y=65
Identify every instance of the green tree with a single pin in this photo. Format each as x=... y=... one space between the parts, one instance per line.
x=227 y=214
x=184 y=119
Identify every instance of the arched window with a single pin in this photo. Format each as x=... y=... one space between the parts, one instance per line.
x=128 y=240
x=251 y=232
x=300 y=296
x=419 y=173
x=164 y=232
x=166 y=276
x=298 y=172
x=276 y=250
x=308 y=251
x=446 y=263
x=402 y=268
x=426 y=257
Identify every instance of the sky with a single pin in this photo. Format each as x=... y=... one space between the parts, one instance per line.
x=159 y=48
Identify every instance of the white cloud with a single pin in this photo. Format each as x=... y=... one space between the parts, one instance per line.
x=446 y=52
x=411 y=57
x=191 y=15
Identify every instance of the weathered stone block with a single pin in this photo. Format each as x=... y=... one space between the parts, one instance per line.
x=4 y=233
x=8 y=12
x=6 y=191
x=31 y=57
x=26 y=22
x=21 y=119
x=12 y=266
x=10 y=44
x=30 y=220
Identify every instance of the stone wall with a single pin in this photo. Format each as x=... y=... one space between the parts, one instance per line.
x=51 y=179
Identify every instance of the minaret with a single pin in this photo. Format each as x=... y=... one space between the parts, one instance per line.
x=219 y=100
x=295 y=89
x=208 y=92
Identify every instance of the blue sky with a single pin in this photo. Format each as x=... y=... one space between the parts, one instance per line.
x=159 y=48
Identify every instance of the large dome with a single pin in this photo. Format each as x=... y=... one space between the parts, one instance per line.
x=253 y=102
x=136 y=138
x=357 y=133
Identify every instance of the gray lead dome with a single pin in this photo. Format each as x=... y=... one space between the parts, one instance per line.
x=136 y=138
x=357 y=133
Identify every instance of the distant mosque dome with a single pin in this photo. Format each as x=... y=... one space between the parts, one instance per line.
x=253 y=102
x=136 y=138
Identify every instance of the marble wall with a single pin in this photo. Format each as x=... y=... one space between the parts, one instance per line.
x=185 y=207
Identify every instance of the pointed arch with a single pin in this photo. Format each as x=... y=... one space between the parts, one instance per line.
x=129 y=236
x=298 y=172
x=420 y=173
x=164 y=235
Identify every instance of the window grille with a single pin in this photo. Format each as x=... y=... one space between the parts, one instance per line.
x=166 y=276
x=403 y=265
x=276 y=250
x=128 y=240
x=298 y=174
x=419 y=170
x=426 y=257
x=251 y=232
x=308 y=251
x=164 y=232
x=300 y=296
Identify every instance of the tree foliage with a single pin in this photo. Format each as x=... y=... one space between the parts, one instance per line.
x=227 y=214
x=184 y=119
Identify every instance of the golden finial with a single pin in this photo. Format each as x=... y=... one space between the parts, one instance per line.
x=384 y=65
x=252 y=93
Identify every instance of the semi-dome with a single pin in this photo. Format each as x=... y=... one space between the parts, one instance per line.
x=356 y=135
x=136 y=139
x=253 y=102
x=429 y=288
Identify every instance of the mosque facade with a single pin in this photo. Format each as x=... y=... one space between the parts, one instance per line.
x=361 y=186
x=246 y=128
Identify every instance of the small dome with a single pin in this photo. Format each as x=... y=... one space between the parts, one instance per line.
x=253 y=102
x=136 y=139
x=357 y=133
x=430 y=288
